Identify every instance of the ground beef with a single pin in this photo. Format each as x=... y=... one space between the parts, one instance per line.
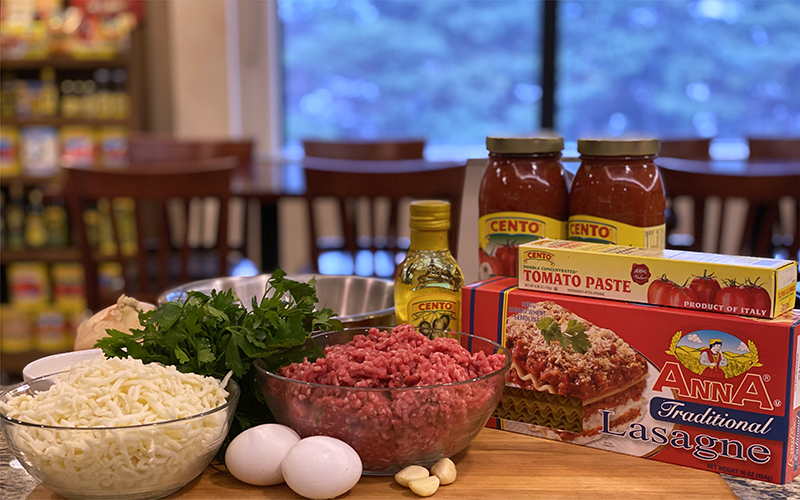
x=390 y=428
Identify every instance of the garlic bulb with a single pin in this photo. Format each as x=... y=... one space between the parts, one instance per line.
x=122 y=316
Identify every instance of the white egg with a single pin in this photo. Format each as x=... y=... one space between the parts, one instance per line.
x=255 y=455
x=320 y=467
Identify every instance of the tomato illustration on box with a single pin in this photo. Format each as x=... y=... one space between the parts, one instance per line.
x=694 y=388
x=748 y=286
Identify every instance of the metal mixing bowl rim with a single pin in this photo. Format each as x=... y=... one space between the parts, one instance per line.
x=231 y=400
x=499 y=348
x=351 y=318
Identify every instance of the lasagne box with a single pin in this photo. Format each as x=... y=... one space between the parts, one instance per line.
x=710 y=391
x=746 y=286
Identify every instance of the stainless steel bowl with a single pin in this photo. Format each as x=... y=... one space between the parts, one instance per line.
x=356 y=300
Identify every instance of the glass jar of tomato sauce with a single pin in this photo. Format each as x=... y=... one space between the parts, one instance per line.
x=617 y=195
x=523 y=197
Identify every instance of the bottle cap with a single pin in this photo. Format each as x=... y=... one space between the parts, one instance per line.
x=430 y=215
x=618 y=147
x=525 y=145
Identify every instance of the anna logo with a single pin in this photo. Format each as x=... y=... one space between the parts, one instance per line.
x=538 y=255
x=714 y=354
x=717 y=357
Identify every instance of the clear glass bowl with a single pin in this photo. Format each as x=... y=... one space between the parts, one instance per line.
x=121 y=463
x=390 y=428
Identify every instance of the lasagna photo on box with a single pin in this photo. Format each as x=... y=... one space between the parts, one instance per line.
x=565 y=370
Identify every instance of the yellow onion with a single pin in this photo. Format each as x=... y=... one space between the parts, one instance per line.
x=122 y=316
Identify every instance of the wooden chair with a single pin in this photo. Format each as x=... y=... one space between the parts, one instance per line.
x=349 y=181
x=688 y=149
x=365 y=150
x=145 y=148
x=136 y=237
x=762 y=194
x=762 y=148
x=152 y=148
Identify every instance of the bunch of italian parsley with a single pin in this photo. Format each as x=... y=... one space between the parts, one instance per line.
x=213 y=334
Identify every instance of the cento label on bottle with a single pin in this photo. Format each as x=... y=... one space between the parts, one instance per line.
x=599 y=230
x=433 y=314
x=500 y=233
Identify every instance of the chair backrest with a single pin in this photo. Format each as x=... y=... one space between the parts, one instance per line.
x=763 y=148
x=763 y=195
x=132 y=227
x=365 y=150
x=399 y=181
x=144 y=148
x=689 y=149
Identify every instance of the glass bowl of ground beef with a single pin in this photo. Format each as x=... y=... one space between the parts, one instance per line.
x=394 y=395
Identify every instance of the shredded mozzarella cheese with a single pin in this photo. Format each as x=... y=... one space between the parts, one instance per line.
x=107 y=401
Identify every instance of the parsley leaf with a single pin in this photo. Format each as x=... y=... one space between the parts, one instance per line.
x=574 y=334
x=213 y=334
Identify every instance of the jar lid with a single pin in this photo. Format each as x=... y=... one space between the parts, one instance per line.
x=525 y=145
x=430 y=215
x=618 y=147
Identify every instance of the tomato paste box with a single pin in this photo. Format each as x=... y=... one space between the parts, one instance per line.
x=693 y=388
x=748 y=286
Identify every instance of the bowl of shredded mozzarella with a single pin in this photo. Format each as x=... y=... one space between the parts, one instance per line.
x=117 y=428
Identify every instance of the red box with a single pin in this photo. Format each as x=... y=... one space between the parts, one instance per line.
x=739 y=416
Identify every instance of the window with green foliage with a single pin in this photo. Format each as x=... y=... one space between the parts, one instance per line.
x=456 y=71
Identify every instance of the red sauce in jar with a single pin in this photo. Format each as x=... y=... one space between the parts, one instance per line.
x=617 y=195
x=523 y=197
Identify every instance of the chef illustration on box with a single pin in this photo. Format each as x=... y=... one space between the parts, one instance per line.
x=714 y=359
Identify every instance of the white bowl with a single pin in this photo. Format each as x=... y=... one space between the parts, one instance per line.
x=56 y=363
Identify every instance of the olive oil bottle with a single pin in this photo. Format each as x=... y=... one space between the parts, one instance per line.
x=427 y=289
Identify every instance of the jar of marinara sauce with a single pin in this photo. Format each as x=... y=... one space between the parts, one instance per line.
x=523 y=197
x=617 y=195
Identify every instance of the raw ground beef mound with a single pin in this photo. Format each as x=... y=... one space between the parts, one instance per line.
x=400 y=358
x=391 y=428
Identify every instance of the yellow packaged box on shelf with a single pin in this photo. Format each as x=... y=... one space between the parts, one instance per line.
x=747 y=286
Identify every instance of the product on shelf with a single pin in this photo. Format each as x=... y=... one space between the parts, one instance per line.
x=120 y=99
x=9 y=160
x=77 y=146
x=70 y=100
x=50 y=333
x=15 y=217
x=113 y=146
x=47 y=98
x=28 y=283
x=7 y=106
x=35 y=230
x=69 y=289
x=39 y=151
x=57 y=224
x=84 y=29
x=15 y=330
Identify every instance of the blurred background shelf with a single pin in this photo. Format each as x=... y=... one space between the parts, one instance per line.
x=58 y=121
x=70 y=254
x=64 y=61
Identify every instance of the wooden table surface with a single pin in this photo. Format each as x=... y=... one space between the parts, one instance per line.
x=502 y=465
